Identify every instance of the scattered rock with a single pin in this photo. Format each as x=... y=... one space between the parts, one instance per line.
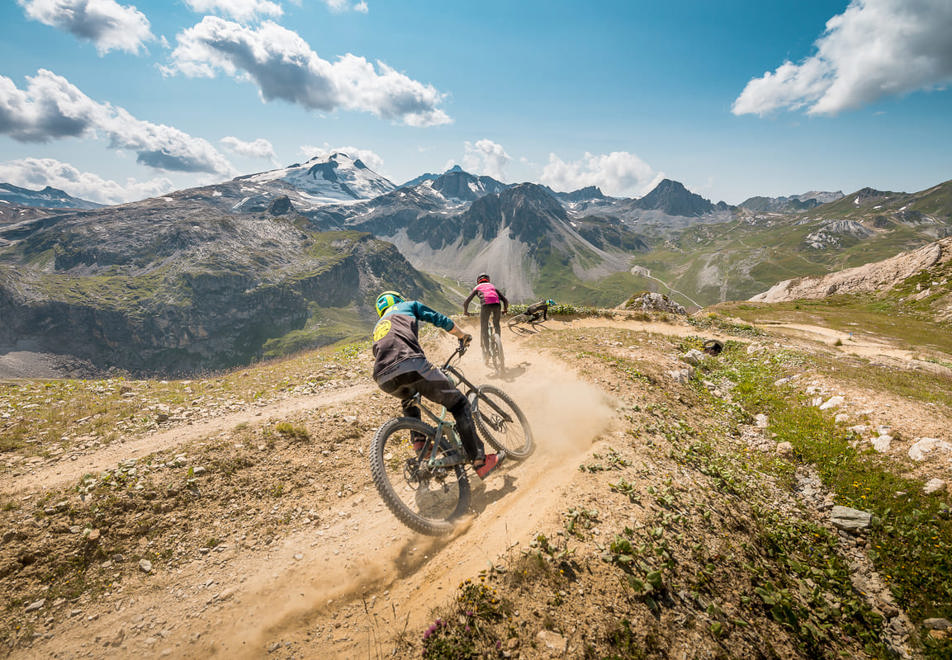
x=35 y=605
x=553 y=642
x=145 y=565
x=933 y=486
x=850 y=520
x=693 y=357
x=761 y=421
x=859 y=429
x=681 y=375
x=785 y=449
x=937 y=624
x=841 y=418
x=881 y=444
x=923 y=446
x=832 y=402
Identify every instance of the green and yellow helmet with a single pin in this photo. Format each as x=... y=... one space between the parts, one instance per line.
x=386 y=300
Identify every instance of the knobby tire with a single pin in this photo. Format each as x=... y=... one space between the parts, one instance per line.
x=508 y=432
x=415 y=520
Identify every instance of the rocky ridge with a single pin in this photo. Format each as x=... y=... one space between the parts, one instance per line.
x=869 y=278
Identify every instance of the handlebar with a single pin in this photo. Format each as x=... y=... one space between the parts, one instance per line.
x=460 y=350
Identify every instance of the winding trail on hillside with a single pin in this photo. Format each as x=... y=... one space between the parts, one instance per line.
x=65 y=472
x=673 y=290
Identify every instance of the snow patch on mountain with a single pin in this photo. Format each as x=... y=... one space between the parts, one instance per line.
x=332 y=179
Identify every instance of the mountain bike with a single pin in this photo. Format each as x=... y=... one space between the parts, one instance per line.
x=427 y=488
x=532 y=320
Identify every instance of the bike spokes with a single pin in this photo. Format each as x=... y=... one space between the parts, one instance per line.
x=501 y=422
x=427 y=493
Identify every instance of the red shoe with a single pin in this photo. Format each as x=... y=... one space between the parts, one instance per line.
x=491 y=463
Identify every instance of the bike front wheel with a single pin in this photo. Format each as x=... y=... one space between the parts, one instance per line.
x=501 y=422
x=517 y=319
x=426 y=499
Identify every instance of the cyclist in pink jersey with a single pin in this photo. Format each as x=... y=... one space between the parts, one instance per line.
x=492 y=302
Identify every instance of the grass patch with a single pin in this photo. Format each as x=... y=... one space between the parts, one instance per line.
x=910 y=547
x=292 y=432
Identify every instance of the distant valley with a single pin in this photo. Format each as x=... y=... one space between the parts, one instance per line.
x=217 y=276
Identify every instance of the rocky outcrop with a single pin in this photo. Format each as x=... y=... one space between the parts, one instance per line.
x=650 y=301
x=836 y=233
x=872 y=277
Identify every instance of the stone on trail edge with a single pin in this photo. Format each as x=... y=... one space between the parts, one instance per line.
x=850 y=520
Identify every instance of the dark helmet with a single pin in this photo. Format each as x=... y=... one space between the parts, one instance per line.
x=482 y=277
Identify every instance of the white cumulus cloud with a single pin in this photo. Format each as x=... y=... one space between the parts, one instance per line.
x=284 y=66
x=874 y=49
x=618 y=173
x=259 y=148
x=52 y=107
x=369 y=158
x=486 y=157
x=242 y=10
x=106 y=23
x=38 y=173
x=346 y=5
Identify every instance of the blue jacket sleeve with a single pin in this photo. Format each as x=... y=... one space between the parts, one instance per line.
x=424 y=313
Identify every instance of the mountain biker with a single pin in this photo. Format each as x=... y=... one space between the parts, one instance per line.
x=401 y=370
x=489 y=299
x=541 y=307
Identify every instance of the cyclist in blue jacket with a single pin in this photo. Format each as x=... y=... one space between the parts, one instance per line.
x=402 y=370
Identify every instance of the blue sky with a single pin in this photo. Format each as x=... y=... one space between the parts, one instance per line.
x=734 y=99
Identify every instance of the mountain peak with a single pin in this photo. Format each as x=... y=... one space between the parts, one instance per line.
x=47 y=198
x=333 y=177
x=673 y=198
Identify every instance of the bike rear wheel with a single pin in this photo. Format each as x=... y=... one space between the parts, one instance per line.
x=496 y=354
x=425 y=499
x=501 y=422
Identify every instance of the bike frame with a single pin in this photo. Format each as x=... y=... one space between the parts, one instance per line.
x=443 y=424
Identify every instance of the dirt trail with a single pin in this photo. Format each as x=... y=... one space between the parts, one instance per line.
x=312 y=588
x=65 y=472
x=859 y=344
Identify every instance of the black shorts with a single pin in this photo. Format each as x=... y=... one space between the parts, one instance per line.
x=431 y=383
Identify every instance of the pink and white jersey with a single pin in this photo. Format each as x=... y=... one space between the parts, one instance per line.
x=487 y=293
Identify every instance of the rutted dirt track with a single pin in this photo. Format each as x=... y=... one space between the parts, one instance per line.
x=354 y=579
